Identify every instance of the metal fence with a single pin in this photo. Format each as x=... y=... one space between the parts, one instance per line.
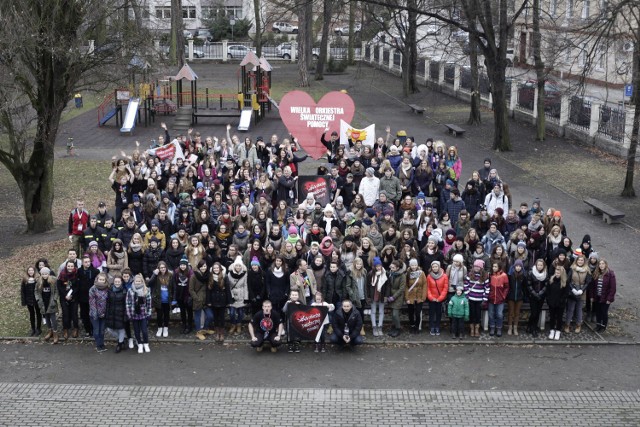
x=421 y=68
x=525 y=97
x=611 y=122
x=580 y=112
x=465 y=78
x=449 y=74
x=484 y=85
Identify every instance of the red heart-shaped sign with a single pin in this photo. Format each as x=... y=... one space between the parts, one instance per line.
x=307 y=320
x=317 y=186
x=307 y=120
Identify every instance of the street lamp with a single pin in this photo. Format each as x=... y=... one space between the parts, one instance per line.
x=232 y=22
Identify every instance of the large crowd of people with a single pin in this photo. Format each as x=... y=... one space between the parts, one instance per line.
x=220 y=236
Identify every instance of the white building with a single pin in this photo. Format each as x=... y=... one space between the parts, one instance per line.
x=157 y=13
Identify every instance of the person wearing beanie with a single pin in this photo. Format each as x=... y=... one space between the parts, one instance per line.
x=458 y=311
x=181 y=295
x=369 y=187
x=585 y=246
x=515 y=298
x=378 y=290
x=449 y=238
x=476 y=288
x=437 y=288
x=456 y=272
x=155 y=231
x=47 y=298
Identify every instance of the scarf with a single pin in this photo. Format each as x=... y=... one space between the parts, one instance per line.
x=135 y=247
x=278 y=272
x=202 y=277
x=326 y=251
x=222 y=236
x=139 y=290
x=539 y=275
x=437 y=275
x=555 y=240
x=415 y=274
x=379 y=279
x=534 y=226
x=242 y=235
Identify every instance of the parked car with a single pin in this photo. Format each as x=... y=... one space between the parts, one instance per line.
x=187 y=34
x=284 y=27
x=344 y=30
x=203 y=34
x=237 y=51
x=552 y=95
x=284 y=51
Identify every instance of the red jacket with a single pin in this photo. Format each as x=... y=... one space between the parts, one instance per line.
x=437 y=288
x=78 y=221
x=498 y=288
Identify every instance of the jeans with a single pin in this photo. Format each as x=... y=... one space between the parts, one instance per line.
x=197 y=318
x=208 y=317
x=87 y=323
x=435 y=314
x=35 y=318
x=415 y=314
x=574 y=307
x=496 y=315
x=52 y=321
x=602 y=313
x=457 y=326
x=140 y=330
x=236 y=314
x=163 y=315
x=335 y=339
x=377 y=307
x=98 y=331
x=69 y=314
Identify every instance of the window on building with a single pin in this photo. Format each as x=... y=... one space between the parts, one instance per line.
x=585 y=9
x=189 y=12
x=163 y=12
x=553 y=8
x=582 y=56
x=233 y=11
x=602 y=58
x=146 y=13
x=206 y=12
x=569 y=13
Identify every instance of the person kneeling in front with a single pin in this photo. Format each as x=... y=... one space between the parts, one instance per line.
x=266 y=325
x=347 y=324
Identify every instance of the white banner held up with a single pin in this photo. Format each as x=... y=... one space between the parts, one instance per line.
x=366 y=135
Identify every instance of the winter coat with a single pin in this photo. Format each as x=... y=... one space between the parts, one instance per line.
x=98 y=302
x=537 y=288
x=492 y=202
x=150 y=260
x=277 y=287
x=173 y=257
x=370 y=288
x=579 y=290
x=498 y=288
x=397 y=288
x=40 y=294
x=181 y=285
x=156 y=283
x=116 y=307
x=197 y=291
x=425 y=258
x=334 y=284
x=556 y=294
x=517 y=287
x=354 y=322
x=257 y=289
x=392 y=187
x=458 y=307
x=27 y=292
x=238 y=287
x=351 y=290
x=135 y=260
x=218 y=297
x=86 y=278
x=608 y=288
x=475 y=288
x=138 y=308
x=298 y=282
x=437 y=288
x=415 y=291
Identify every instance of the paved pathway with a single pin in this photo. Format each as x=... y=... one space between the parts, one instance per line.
x=39 y=404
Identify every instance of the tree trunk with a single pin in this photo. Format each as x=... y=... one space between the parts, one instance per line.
x=475 y=117
x=258 y=24
x=327 y=12
x=36 y=187
x=501 y=139
x=305 y=17
x=410 y=52
x=628 y=190
x=540 y=74
x=176 y=48
x=352 y=36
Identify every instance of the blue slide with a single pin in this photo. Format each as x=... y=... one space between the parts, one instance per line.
x=130 y=116
x=108 y=116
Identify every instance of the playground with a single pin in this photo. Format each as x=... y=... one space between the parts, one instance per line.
x=179 y=96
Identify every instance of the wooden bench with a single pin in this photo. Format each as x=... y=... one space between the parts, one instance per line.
x=609 y=215
x=416 y=108
x=214 y=114
x=454 y=129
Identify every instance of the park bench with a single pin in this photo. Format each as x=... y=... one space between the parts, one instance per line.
x=416 y=108
x=214 y=114
x=454 y=129
x=609 y=215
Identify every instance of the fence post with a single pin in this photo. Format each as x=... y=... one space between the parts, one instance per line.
x=595 y=118
x=328 y=50
x=224 y=50
x=363 y=51
x=92 y=46
x=392 y=55
x=441 y=74
x=513 y=101
x=294 y=52
x=156 y=45
x=427 y=65
x=456 y=78
x=381 y=55
x=535 y=102
x=190 y=50
x=628 y=125
x=564 y=111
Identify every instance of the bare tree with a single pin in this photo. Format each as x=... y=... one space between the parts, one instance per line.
x=176 y=47
x=327 y=13
x=305 y=34
x=40 y=71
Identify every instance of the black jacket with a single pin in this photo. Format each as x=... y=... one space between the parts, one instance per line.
x=150 y=260
x=354 y=321
x=517 y=287
x=557 y=295
x=216 y=297
x=257 y=288
x=116 y=307
x=85 y=282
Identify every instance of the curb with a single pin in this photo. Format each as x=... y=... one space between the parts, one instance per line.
x=381 y=343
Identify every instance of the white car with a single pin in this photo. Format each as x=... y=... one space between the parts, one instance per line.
x=237 y=51
x=284 y=51
x=284 y=27
x=344 y=30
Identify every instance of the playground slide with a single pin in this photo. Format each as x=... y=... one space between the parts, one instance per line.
x=130 y=116
x=245 y=119
x=108 y=116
